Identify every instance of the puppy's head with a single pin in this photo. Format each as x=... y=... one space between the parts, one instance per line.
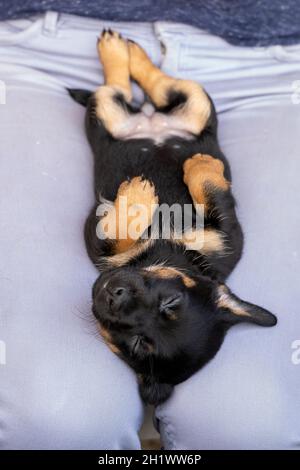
x=166 y=325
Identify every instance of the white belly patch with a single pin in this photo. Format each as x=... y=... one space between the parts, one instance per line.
x=149 y=124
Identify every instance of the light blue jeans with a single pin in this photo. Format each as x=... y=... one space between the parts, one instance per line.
x=60 y=386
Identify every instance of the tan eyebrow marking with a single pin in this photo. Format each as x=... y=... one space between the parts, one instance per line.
x=168 y=272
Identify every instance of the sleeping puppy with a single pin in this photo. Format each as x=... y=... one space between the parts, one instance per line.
x=161 y=300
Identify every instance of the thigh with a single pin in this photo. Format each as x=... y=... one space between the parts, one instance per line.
x=247 y=397
x=60 y=386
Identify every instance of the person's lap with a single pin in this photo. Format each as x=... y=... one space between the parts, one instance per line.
x=61 y=387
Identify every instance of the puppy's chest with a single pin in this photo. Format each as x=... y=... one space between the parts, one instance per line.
x=164 y=169
x=162 y=165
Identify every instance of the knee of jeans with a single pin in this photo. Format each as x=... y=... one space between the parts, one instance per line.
x=70 y=413
x=236 y=408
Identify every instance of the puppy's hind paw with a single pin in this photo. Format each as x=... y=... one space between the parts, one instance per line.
x=112 y=48
x=138 y=59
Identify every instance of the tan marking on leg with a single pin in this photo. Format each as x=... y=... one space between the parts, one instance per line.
x=111 y=114
x=114 y=56
x=225 y=300
x=196 y=111
x=193 y=114
x=108 y=339
x=208 y=241
x=213 y=242
x=168 y=272
x=131 y=213
x=202 y=172
x=153 y=81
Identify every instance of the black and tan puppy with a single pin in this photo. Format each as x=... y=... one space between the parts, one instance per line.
x=161 y=302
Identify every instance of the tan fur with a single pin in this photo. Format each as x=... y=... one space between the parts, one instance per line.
x=108 y=340
x=108 y=111
x=133 y=208
x=114 y=56
x=168 y=272
x=211 y=243
x=120 y=259
x=205 y=241
x=226 y=301
x=194 y=114
x=202 y=172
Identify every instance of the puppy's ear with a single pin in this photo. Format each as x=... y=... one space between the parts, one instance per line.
x=81 y=96
x=153 y=392
x=234 y=310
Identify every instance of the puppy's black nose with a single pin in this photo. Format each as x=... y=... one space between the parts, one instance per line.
x=118 y=296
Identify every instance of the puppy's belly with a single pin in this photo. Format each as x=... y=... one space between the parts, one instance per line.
x=152 y=125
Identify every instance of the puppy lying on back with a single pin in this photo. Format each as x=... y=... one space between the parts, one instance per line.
x=161 y=300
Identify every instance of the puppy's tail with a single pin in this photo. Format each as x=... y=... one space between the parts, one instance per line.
x=81 y=96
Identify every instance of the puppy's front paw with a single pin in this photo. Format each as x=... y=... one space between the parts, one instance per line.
x=202 y=163
x=200 y=171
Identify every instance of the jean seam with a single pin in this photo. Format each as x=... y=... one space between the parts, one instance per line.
x=169 y=59
x=168 y=432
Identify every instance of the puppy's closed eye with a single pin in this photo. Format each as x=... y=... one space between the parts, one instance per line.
x=170 y=305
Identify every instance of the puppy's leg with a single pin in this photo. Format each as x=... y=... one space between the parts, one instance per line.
x=130 y=215
x=114 y=56
x=113 y=98
x=184 y=99
x=204 y=174
x=222 y=238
